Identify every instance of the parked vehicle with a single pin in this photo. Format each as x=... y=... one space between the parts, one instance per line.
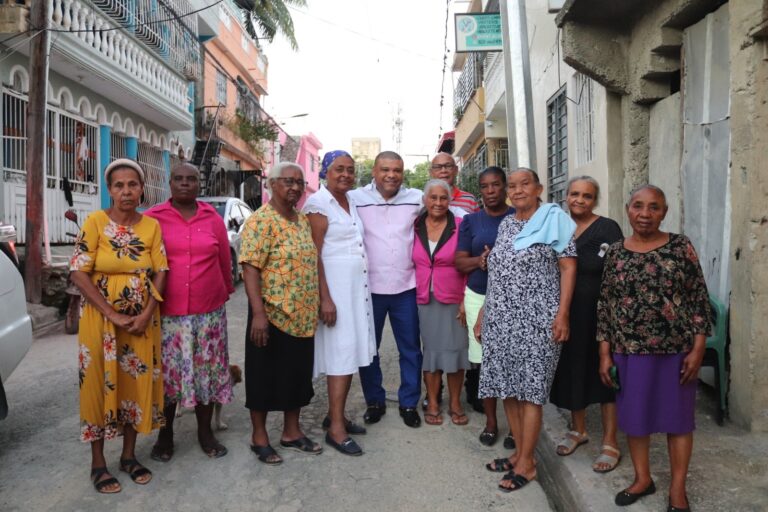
x=72 y=316
x=233 y=211
x=15 y=324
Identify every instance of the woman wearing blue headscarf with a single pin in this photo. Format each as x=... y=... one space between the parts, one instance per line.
x=344 y=340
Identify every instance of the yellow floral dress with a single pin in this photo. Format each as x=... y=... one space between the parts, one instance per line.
x=120 y=374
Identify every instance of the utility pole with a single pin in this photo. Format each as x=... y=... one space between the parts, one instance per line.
x=38 y=86
x=517 y=82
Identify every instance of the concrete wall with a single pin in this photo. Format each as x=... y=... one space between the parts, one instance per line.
x=665 y=152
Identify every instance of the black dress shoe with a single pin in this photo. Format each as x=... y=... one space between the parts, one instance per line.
x=351 y=427
x=410 y=417
x=509 y=442
x=625 y=498
x=347 y=446
x=373 y=413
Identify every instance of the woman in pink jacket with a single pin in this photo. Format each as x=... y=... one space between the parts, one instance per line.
x=439 y=292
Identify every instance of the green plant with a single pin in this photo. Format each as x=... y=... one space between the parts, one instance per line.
x=253 y=132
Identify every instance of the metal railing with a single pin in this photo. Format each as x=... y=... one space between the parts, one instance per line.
x=470 y=80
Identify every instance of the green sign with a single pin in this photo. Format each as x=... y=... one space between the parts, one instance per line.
x=478 y=32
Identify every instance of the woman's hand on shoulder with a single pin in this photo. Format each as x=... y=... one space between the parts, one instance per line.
x=561 y=327
x=328 y=312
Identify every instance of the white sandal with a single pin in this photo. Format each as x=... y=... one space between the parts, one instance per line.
x=570 y=442
x=603 y=458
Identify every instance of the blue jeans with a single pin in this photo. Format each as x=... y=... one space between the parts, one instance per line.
x=404 y=318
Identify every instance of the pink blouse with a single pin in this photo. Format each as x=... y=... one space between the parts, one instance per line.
x=200 y=275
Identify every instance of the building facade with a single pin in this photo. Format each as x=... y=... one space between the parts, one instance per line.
x=120 y=85
x=365 y=148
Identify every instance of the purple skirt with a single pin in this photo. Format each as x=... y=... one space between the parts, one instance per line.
x=651 y=399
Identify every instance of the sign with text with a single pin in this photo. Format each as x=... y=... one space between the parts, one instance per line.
x=478 y=32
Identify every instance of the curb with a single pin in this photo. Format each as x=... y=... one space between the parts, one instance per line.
x=569 y=481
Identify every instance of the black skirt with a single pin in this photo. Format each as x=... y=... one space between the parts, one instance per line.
x=278 y=377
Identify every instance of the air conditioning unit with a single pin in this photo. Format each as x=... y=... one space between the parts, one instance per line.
x=14 y=18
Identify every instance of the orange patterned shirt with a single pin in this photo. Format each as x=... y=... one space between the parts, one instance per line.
x=287 y=257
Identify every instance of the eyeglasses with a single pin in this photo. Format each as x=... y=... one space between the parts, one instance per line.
x=437 y=167
x=289 y=182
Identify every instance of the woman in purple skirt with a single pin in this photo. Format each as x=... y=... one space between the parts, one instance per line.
x=652 y=321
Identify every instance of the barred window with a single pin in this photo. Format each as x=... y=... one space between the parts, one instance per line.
x=155 y=180
x=221 y=87
x=557 y=147
x=585 y=120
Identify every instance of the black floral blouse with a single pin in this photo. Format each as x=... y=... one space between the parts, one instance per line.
x=654 y=302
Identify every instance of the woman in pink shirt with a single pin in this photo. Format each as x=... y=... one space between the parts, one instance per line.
x=194 y=322
x=439 y=292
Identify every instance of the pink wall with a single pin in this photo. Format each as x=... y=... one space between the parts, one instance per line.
x=307 y=156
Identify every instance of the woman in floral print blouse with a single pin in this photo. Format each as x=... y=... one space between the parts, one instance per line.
x=653 y=319
x=119 y=265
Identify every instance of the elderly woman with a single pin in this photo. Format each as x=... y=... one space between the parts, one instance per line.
x=194 y=319
x=344 y=340
x=439 y=292
x=577 y=380
x=477 y=235
x=652 y=322
x=119 y=265
x=531 y=275
x=279 y=262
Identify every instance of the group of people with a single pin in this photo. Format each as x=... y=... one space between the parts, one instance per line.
x=526 y=302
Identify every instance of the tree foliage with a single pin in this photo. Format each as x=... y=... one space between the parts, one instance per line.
x=364 y=172
x=418 y=177
x=268 y=17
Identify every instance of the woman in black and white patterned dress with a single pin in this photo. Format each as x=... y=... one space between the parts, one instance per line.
x=531 y=276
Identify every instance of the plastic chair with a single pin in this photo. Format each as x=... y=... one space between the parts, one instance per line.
x=714 y=354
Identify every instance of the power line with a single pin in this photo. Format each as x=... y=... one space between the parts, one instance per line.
x=445 y=66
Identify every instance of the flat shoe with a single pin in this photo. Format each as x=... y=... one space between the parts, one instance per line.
x=433 y=419
x=97 y=473
x=264 y=453
x=519 y=480
x=161 y=453
x=347 y=446
x=670 y=508
x=489 y=438
x=302 y=444
x=499 y=465
x=509 y=442
x=603 y=458
x=135 y=470
x=215 y=450
x=625 y=498
x=458 y=418
x=570 y=442
x=350 y=426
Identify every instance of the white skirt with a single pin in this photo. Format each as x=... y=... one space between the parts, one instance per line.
x=350 y=343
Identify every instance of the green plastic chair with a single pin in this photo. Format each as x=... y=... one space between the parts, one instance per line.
x=714 y=354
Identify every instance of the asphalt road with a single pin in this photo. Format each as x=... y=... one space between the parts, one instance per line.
x=43 y=465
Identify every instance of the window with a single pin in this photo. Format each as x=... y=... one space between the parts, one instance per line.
x=155 y=179
x=245 y=43
x=585 y=120
x=221 y=87
x=557 y=147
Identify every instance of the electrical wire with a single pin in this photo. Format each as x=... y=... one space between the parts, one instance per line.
x=445 y=66
x=12 y=49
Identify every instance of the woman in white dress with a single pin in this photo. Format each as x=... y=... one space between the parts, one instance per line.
x=344 y=340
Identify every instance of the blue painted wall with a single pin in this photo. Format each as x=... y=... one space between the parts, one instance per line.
x=105 y=152
x=132 y=147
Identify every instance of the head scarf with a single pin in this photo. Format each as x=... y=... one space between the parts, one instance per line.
x=121 y=163
x=328 y=159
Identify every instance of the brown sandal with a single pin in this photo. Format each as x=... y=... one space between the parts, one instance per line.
x=433 y=419
x=458 y=418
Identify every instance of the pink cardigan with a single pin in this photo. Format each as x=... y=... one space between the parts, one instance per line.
x=439 y=268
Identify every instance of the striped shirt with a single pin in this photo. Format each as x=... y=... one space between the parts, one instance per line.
x=464 y=200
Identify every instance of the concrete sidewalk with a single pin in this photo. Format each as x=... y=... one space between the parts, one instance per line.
x=728 y=471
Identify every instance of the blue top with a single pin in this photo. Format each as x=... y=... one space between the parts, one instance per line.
x=550 y=225
x=475 y=232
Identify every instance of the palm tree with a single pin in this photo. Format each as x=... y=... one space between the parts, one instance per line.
x=269 y=17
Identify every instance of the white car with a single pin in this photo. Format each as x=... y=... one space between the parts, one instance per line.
x=15 y=324
x=234 y=212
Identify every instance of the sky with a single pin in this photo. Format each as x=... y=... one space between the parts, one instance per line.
x=358 y=61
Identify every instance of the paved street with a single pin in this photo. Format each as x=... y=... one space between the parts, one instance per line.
x=43 y=466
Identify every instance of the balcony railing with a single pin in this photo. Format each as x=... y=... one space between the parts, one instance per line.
x=470 y=79
x=164 y=26
x=89 y=25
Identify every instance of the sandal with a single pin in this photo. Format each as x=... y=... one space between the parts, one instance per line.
x=433 y=419
x=499 y=465
x=215 y=450
x=604 y=458
x=135 y=470
x=161 y=453
x=302 y=444
x=519 y=480
x=489 y=438
x=265 y=452
x=570 y=442
x=458 y=418
x=97 y=473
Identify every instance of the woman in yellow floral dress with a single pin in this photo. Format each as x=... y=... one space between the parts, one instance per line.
x=119 y=265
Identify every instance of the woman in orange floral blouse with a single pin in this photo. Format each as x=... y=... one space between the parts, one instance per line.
x=119 y=265
x=279 y=261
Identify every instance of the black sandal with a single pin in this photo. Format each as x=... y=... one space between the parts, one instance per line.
x=519 y=480
x=264 y=453
x=214 y=450
x=303 y=444
x=489 y=438
x=161 y=453
x=500 y=465
x=97 y=473
x=135 y=470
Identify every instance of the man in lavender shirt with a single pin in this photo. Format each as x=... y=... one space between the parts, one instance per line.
x=388 y=211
